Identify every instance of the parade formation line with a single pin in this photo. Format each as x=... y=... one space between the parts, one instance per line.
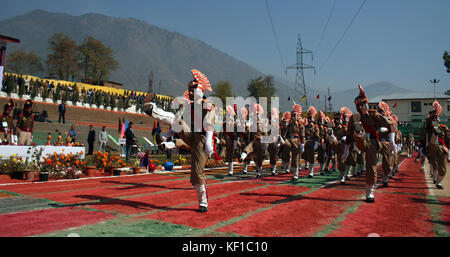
x=239 y=205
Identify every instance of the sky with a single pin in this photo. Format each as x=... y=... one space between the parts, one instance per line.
x=399 y=41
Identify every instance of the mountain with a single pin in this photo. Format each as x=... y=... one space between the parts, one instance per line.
x=347 y=97
x=141 y=48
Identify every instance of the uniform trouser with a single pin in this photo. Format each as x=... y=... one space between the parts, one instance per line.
x=229 y=151
x=223 y=148
x=370 y=147
x=387 y=159
x=438 y=159
x=256 y=148
x=309 y=151
x=294 y=151
x=349 y=162
x=196 y=142
x=410 y=149
x=286 y=157
x=320 y=154
x=273 y=151
x=25 y=138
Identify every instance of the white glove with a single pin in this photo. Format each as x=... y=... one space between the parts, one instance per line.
x=277 y=144
x=302 y=148
x=392 y=145
x=316 y=144
x=344 y=138
x=383 y=129
x=281 y=140
x=243 y=155
x=345 y=154
x=217 y=140
x=209 y=143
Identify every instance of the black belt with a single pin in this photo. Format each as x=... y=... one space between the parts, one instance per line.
x=25 y=129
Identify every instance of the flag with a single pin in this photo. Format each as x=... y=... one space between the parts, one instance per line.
x=144 y=160
x=304 y=98
x=156 y=128
x=318 y=96
x=395 y=105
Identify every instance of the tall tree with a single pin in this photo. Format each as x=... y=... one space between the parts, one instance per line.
x=223 y=90
x=262 y=87
x=96 y=60
x=62 y=59
x=446 y=58
x=22 y=62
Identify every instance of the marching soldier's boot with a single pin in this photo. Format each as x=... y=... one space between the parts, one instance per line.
x=385 y=181
x=342 y=177
x=311 y=171
x=259 y=172
x=243 y=155
x=348 y=172
x=295 y=178
x=355 y=171
x=244 y=169
x=439 y=182
x=370 y=198
x=288 y=168
x=321 y=169
x=274 y=169
x=230 y=169
x=202 y=198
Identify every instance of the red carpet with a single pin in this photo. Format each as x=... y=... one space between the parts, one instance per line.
x=223 y=209
x=45 y=221
x=300 y=217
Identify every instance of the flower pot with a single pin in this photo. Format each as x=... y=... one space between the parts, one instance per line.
x=43 y=176
x=136 y=170
x=30 y=175
x=90 y=171
x=17 y=175
x=116 y=172
x=110 y=169
x=151 y=167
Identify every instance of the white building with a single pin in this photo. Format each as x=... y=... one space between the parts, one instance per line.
x=413 y=107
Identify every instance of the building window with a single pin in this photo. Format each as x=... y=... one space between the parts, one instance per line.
x=425 y=104
x=448 y=107
x=416 y=107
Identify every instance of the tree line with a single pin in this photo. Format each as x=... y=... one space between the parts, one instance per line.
x=90 y=62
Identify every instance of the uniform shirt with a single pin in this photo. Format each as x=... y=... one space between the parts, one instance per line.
x=311 y=132
x=371 y=122
x=441 y=132
x=25 y=122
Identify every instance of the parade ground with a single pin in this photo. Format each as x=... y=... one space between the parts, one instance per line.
x=165 y=204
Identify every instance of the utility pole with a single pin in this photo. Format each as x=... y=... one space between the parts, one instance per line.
x=299 y=67
x=329 y=101
x=434 y=82
x=150 y=83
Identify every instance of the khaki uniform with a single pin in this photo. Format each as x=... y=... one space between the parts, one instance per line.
x=6 y=131
x=438 y=149
x=294 y=138
x=410 y=145
x=25 y=124
x=311 y=136
x=368 y=142
x=196 y=142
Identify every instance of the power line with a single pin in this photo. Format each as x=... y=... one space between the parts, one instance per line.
x=342 y=37
x=275 y=36
x=325 y=28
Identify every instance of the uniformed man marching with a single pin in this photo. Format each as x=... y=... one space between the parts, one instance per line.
x=7 y=124
x=25 y=124
x=198 y=135
x=311 y=140
x=410 y=145
x=369 y=140
x=439 y=140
